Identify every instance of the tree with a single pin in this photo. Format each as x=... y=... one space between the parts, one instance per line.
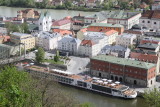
x=40 y=55
x=152 y=97
x=124 y=5
x=24 y=28
x=19 y=89
x=15 y=88
x=11 y=27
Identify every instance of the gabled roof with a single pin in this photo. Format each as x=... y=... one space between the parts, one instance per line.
x=87 y=42
x=148 y=46
x=151 y=14
x=62 y=31
x=124 y=62
x=61 y=22
x=144 y=57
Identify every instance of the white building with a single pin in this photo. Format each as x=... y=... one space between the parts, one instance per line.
x=69 y=44
x=156 y=6
x=45 y=22
x=92 y=44
x=46 y=40
x=151 y=19
x=127 y=19
x=126 y=40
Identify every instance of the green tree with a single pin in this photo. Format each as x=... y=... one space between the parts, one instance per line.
x=11 y=27
x=124 y=5
x=152 y=97
x=24 y=28
x=40 y=55
x=68 y=4
x=56 y=57
x=15 y=88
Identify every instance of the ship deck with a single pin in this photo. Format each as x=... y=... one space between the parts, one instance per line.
x=81 y=78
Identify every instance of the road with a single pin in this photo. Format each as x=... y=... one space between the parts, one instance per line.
x=77 y=64
x=31 y=55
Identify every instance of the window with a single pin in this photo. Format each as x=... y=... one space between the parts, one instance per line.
x=148 y=21
x=155 y=23
x=143 y=21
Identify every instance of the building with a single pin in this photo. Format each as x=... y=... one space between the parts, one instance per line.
x=103 y=26
x=62 y=32
x=77 y=22
x=127 y=19
x=126 y=40
x=69 y=44
x=57 y=2
x=150 y=40
x=146 y=56
x=151 y=19
x=65 y=23
x=21 y=38
x=112 y=34
x=28 y=13
x=117 y=50
x=124 y=70
x=45 y=22
x=91 y=3
x=8 y=50
x=156 y=6
x=46 y=40
x=3 y=30
x=4 y=38
x=92 y=44
x=149 y=47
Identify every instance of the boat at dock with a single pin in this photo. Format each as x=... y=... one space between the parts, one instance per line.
x=100 y=85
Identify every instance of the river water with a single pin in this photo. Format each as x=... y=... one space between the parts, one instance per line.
x=55 y=14
x=97 y=99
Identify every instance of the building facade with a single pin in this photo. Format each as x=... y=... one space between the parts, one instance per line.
x=127 y=19
x=69 y=44
x=46 y=40
x=126 y=40
x=45 y=22
x=62 y=24
x=151 y=19
x=92 y=44
x=117 y=50
x=124 y=70
x=26 y=39
x=28 y=13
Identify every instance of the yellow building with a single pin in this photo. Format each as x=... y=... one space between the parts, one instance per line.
x=26 y=39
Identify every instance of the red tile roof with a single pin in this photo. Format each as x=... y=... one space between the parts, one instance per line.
x=144 y=57
x=61 y=22
x=87 y=42
x=110 y=32
x=62 y=31
x=150 y=41
x=151 y=14
x=5 y=38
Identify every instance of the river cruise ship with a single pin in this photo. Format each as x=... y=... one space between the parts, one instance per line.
x=104 y=86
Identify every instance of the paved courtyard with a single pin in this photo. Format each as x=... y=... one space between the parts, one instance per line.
x=77 y=64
